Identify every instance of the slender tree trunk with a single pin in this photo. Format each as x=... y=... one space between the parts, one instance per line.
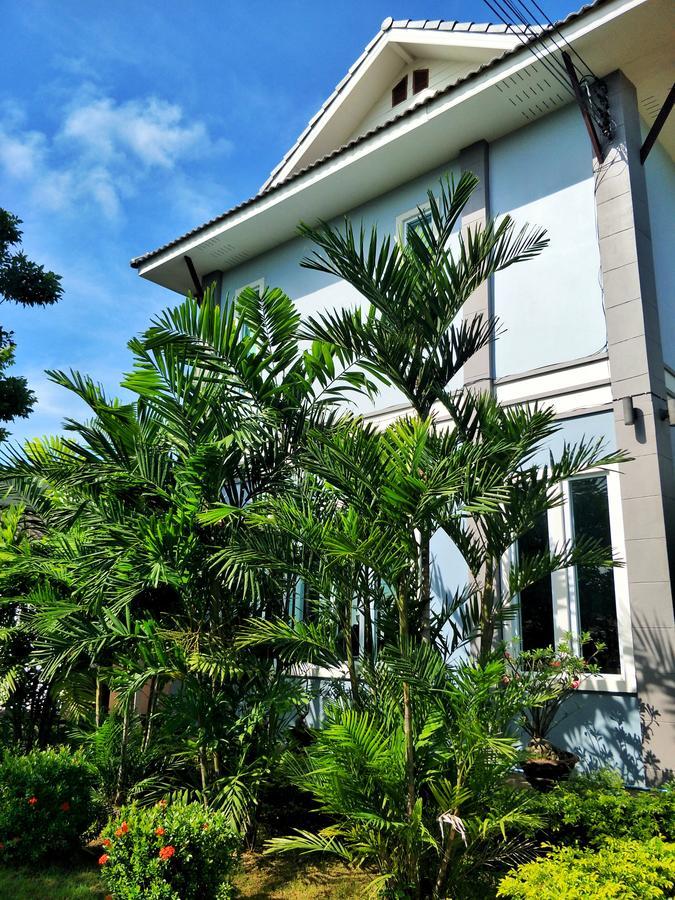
x=97 y=703
x=425 y=584
x=152 y=692
x=487 y=619
x=102 y=701
x=203 y=772
x=123 y=754
x=407 y=713
x=368 y=630
x=349 y=653
x=445 y=864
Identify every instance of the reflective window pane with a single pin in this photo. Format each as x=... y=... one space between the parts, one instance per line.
x=536 y=601
x=595 y=584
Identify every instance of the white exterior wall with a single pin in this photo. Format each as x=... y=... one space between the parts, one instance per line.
x=551 y=306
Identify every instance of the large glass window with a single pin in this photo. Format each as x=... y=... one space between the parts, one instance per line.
x=582 y=599
x=595 y=584
x=536 y=600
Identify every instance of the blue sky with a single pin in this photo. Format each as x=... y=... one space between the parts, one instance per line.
x=125 y=124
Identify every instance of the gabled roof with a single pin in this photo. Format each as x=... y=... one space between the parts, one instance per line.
x=397 y=43
x=628 y=34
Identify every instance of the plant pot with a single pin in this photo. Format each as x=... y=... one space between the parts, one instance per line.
x=544 y=772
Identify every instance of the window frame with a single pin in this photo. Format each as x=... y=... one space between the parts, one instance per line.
x=565 y=589
x=257 y=283
x=405 y=219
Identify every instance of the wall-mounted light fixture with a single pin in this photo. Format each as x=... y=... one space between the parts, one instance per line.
x=628 y=411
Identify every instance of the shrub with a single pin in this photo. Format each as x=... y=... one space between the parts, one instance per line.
x=168 y=852
x=627 y=870
x=588 y=808
x=46 y=803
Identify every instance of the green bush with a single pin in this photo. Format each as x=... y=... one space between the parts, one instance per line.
x=626 y=870
x=168 y=852
x=46 y=804
x=588 y=808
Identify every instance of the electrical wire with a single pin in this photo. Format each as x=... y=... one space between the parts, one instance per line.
x=527 y=13
x=567 y=44
x=496 y=7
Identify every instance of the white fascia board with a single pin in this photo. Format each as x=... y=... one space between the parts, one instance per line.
x=351 y=158
x=479 y=40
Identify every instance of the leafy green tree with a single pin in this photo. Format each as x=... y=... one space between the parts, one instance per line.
x=28 y=284
x=410 y=335
x=224 y=402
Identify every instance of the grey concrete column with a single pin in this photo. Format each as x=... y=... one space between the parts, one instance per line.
x=479 y=370
x=214 y=280
x=637 y=372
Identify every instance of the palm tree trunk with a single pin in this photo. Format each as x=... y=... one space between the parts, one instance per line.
x=123 y=755
x=102 y=701
x=487 y=622
x=407 y=712
x=425 y=584
x=349 y=653
x=203 y=773
x=445 y=864
x=367 y=630
x=152 y=692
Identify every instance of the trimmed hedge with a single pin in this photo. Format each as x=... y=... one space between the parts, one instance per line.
x=621 y=869
x=169 y=852
x=46 y=804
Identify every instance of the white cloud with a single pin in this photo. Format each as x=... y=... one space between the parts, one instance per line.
x=103 y=151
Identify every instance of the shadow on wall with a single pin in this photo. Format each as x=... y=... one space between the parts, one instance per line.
x=654 y=660
x=605 y=731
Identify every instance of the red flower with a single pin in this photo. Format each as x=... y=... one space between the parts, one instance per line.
x=167 y=852
x=575 y=684
x=65 y=806
x=107 y=842
x=160 y=831
x=555 y=664
x=33 y=801
x=102 y=860
x=123 y=829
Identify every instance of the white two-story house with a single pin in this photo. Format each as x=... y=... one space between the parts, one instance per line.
x=566 y=127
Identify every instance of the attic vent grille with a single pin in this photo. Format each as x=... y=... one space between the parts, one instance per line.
x=420 y=80
x=399 y=92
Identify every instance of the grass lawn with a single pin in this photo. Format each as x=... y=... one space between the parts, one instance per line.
x=260 y=878
x=288 y=878
x=79 y=882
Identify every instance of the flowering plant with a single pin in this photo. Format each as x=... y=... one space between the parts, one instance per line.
x=46 y=804
x=553 y=674
x=170 y=851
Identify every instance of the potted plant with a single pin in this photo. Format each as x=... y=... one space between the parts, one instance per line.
x=552 y=674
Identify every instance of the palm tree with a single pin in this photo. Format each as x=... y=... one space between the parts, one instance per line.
x=224 y=402
x=410 y=335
